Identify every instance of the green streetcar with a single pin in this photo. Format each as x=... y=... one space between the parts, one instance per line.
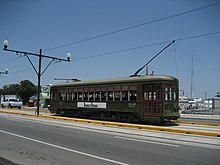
x=150 y=99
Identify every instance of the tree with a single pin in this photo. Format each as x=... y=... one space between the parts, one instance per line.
x=11 y=89
x=25 y=89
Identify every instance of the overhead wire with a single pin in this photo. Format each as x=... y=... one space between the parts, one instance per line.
x=135 y=48
x=145 y=46
x=132 y=27
x=9 y=60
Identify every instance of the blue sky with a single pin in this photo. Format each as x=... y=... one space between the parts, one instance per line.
x=44 y=24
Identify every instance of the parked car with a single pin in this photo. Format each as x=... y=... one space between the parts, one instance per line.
x=11 y=103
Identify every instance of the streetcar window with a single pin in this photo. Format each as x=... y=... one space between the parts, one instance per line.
x=145 y=95
x=110 y=95
x=103 y=96
x=66 y=95
x=154 y=95
x=149 y=95
x=117 y=96
x=166 y=94
x=117 y=88
x=124 y=88
x=170 y=94
x=80 y=96
x=74 y=97
x=133 y=95
x=91 y=96
x=69 y=96
x=62 y=96
x=97 y=96
x=125 y=95
x=85 y=96
x=174 y=95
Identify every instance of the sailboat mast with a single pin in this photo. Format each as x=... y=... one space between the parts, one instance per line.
x=191 y=91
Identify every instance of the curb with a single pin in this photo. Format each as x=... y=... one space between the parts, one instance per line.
x=125 y=125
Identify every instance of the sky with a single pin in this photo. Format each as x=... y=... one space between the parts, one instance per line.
x=56 y=26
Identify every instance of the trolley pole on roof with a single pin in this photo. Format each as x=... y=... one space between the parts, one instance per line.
x=68 y=79
x=136 y=73
x=39 y=72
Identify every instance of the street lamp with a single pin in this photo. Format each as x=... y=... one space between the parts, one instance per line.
x=39 y=72
x=68 y=56
x=5 y=43
x=5 y=72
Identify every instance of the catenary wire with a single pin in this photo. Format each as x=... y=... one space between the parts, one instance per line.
x=9 y=60
x=145 y=46
x=135 y=48
x=132 y=27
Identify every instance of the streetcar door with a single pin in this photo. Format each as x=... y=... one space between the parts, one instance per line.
x=53 y=101
x=152 y=99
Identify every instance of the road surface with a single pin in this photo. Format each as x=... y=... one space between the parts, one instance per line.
x=28 y=140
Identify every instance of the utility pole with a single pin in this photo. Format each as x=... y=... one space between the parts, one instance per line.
x=39 y=72
x=2 y=72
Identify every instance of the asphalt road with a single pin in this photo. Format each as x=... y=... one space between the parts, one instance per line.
x=28 y=140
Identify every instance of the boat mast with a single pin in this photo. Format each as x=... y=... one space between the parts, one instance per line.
x=191 y=91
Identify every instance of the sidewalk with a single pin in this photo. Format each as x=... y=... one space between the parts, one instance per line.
x=211 y=117
x=28 y=110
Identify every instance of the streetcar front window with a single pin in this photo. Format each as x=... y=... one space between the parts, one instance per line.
x=170 y=94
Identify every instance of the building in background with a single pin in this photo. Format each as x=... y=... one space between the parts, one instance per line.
x=45 y=96
x=216 y=104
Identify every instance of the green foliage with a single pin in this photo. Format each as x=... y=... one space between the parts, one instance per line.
x=25 y=89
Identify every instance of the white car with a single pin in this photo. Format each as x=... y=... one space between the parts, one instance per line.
x=11 y=103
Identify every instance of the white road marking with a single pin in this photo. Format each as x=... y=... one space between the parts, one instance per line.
x=146 y=141
x=64 y=148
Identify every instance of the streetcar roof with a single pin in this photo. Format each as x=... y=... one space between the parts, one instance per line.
x=135 y=79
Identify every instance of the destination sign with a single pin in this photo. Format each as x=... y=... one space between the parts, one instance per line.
x=91 y=105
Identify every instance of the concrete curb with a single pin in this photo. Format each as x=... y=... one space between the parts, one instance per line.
x=125 y=125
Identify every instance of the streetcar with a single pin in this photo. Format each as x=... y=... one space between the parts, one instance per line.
x=148 y=99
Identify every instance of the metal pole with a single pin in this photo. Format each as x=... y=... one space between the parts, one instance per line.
x=39 y=74
x=38 y=86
